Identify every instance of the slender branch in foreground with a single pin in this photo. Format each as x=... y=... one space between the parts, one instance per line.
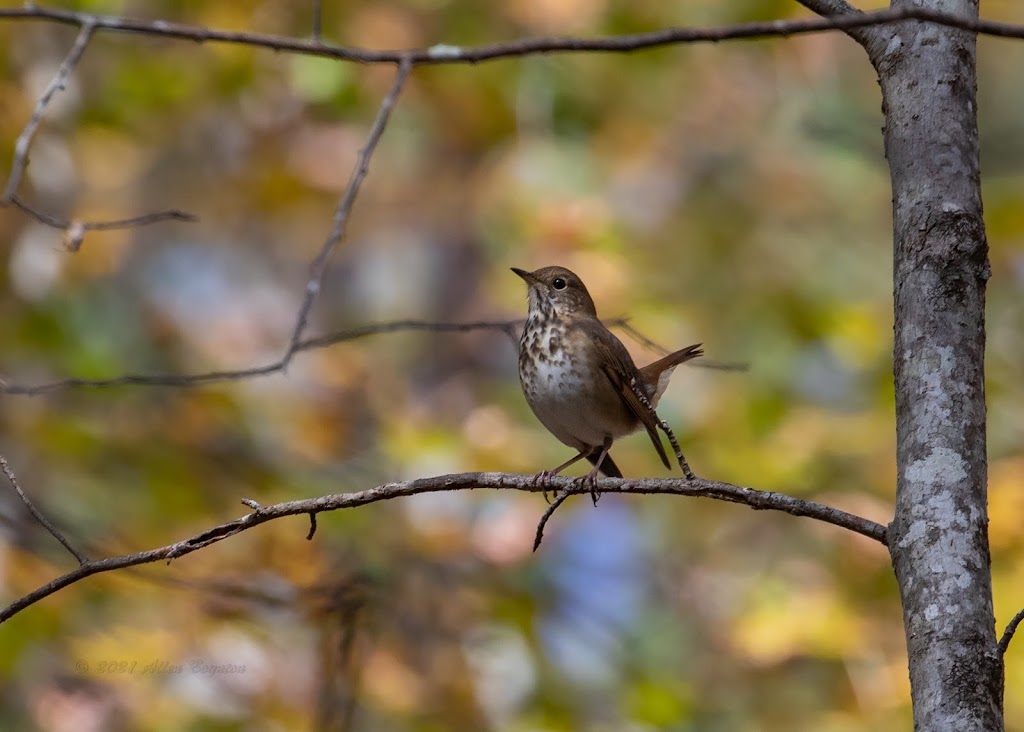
x=38 y=515
x=56 y=84
x=755 y=499
x=1008 y=634
x=341 y=213
x=449 y=54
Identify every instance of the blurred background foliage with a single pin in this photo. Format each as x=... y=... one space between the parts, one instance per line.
x=732 y=194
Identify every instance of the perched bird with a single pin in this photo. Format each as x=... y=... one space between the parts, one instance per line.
x=580 y=380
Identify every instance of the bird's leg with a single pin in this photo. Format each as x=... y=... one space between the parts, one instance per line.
x=591 y=477
x=544 y=476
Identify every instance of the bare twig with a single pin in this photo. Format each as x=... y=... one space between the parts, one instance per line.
x=713 y=365
x=208 y=377
x=559 y=500
x=143 y=220
x=341 y=213
x=56 y=84
x=755 y=499
x=447 y=54
x=187 y=380
x=510 y=327
x=38 y=515
x=1011 y=629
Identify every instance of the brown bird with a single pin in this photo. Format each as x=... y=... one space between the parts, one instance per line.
x=580 y=380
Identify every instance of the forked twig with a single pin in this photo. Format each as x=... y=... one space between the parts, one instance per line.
x=341 y=213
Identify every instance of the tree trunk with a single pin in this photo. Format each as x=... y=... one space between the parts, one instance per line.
x=939 y=538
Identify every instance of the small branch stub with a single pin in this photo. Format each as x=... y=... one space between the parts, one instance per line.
x=1011 y=630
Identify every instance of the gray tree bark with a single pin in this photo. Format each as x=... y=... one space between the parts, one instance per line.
x=938 y=538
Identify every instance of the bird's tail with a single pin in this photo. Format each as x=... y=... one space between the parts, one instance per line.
x=655 y=376
x=608 y=466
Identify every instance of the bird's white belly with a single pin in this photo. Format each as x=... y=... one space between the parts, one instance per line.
x=567 y=405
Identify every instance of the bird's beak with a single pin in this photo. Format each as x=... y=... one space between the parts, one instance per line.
x=527 y=276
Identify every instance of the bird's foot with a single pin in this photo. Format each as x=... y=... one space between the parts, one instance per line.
x=543 y=479
x=589 y=481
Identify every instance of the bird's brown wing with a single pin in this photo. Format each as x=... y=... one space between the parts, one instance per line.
x=621 y=371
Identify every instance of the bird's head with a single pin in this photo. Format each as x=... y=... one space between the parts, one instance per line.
x=557 y=291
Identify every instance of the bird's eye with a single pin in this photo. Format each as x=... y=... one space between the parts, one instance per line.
x=558 y=283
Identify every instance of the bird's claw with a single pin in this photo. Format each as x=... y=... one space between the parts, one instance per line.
x=589 y=481
x=543 y=479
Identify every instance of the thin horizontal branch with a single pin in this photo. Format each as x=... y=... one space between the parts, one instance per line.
x=186 y=380
x=758 y=500
x=448 y=54
x=178 y=380
x=1011 y=630
x=510 y=327
x=146 y=219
